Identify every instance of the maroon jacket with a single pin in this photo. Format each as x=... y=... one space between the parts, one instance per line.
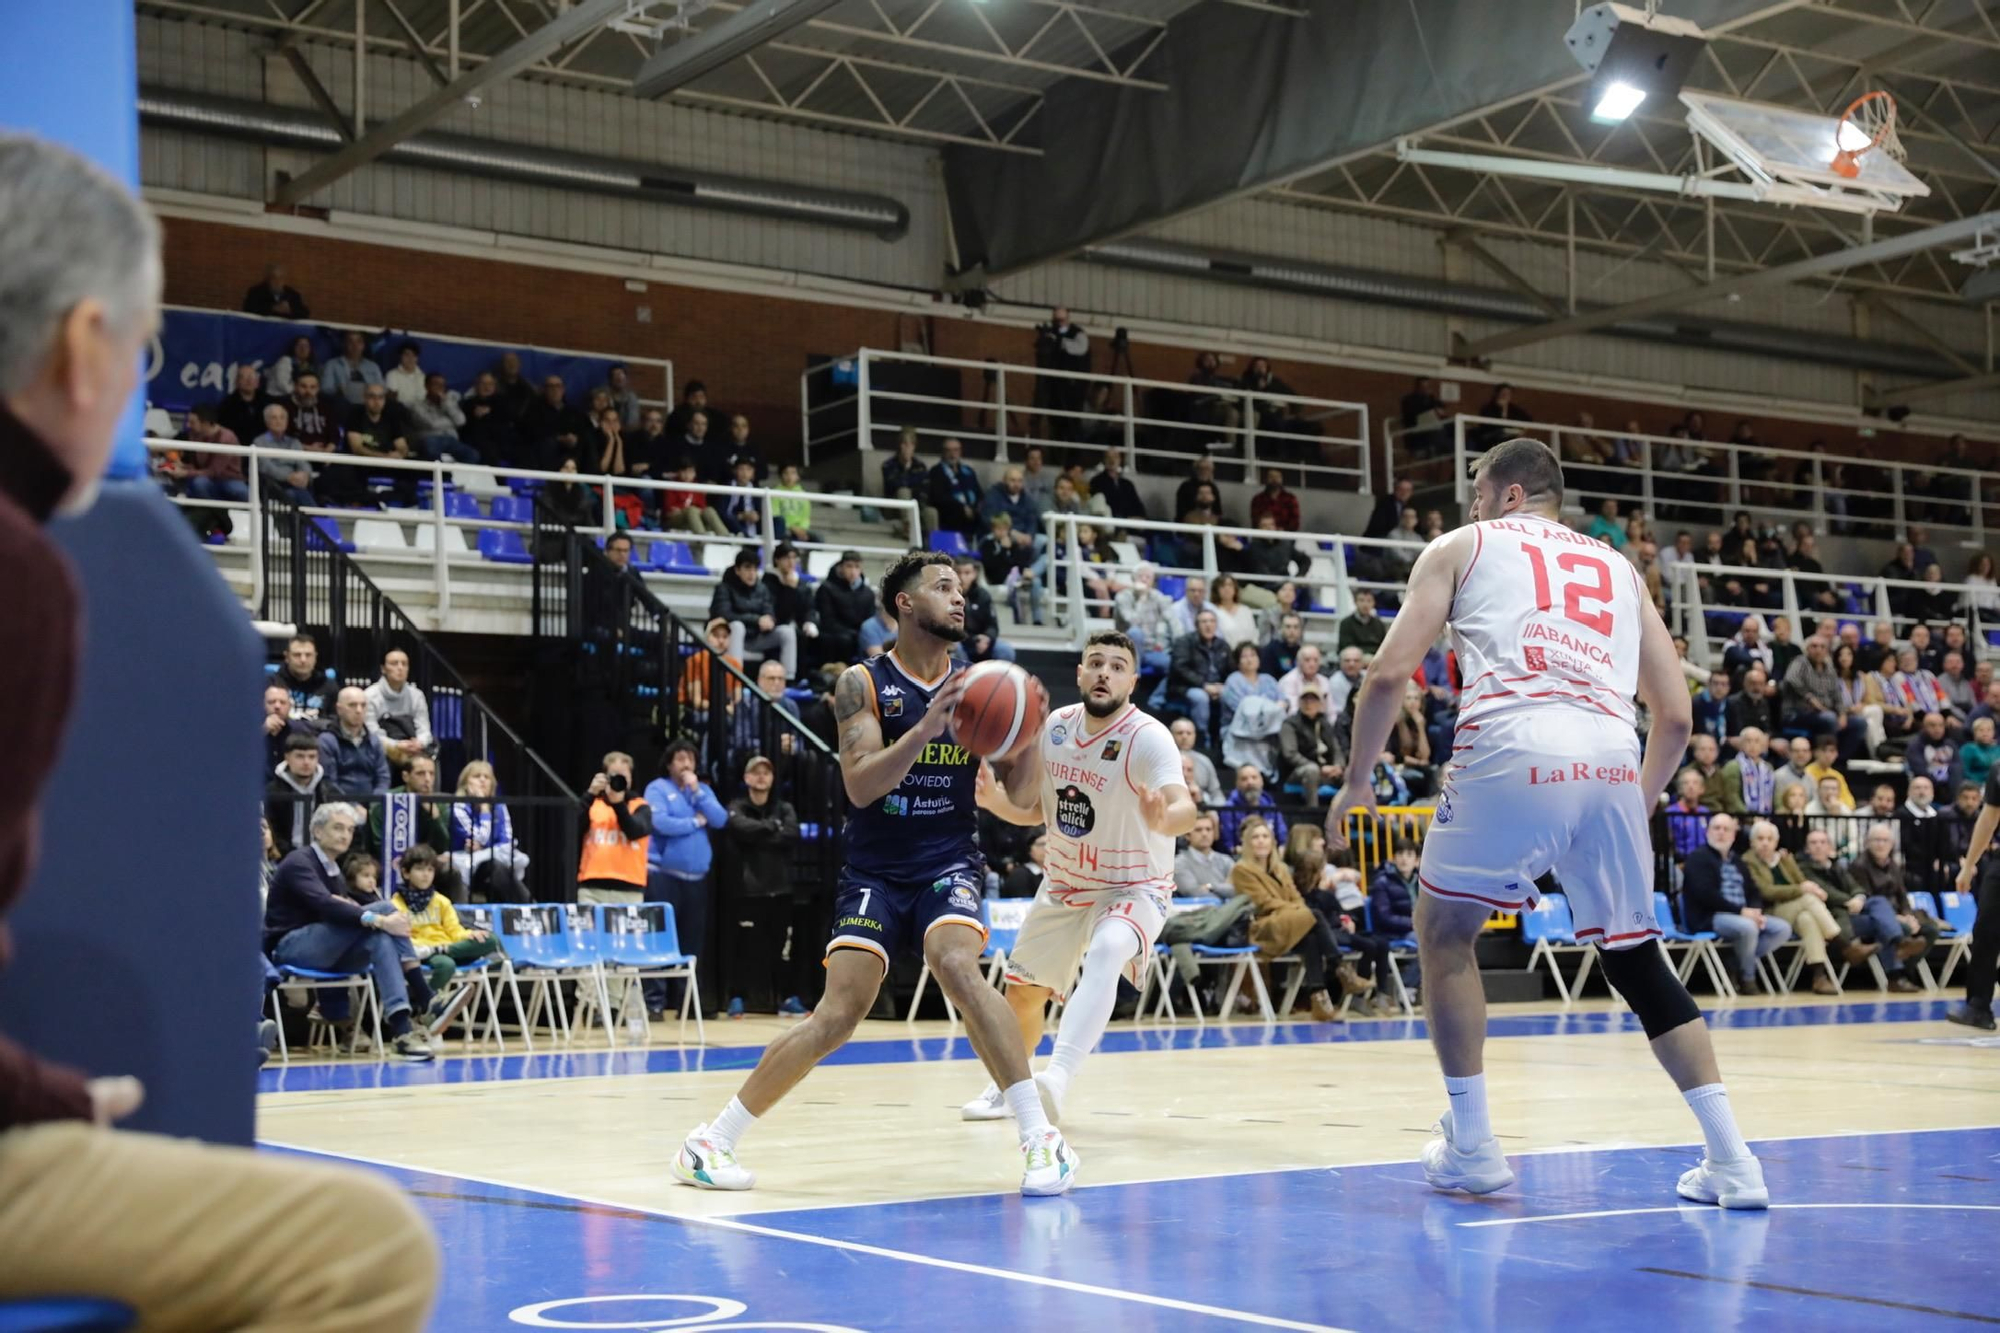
x=38 y=623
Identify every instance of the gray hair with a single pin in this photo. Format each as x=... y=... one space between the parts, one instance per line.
x=331 y=811
x=69 y=232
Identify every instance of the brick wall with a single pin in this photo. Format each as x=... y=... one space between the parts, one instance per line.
x=751 y=349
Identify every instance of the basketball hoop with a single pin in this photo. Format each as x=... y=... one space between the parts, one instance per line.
x=1868 y=123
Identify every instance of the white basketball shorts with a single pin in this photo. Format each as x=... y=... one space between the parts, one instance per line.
x=1050 y=948
x=1549 y=788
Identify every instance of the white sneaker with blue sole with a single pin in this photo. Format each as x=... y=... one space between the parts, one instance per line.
x=1480 y=1171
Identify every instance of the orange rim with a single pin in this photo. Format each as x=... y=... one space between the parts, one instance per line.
x=1847 y=161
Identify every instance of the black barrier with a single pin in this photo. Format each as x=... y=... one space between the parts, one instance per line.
x=310 y=582
x=1929 y=850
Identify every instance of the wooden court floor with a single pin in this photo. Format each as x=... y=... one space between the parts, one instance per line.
x=1156 y=1102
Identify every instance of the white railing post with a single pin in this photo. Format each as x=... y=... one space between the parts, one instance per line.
x=1250 y=469
x=1000 y=413
x=440 y=566
x=1896 y=513
x=1735 y=478
x=1458 y=465
x=917 y=533
x=255 y=483
x=1789 y=582
x=1208 y=565
x=768 y=527
x=1882 y=597
x=1818 y=499
x=863 y=416
x=1054 y=553
x=1648 y=497
x=805 y=417
x=1976 y=492
x=1343 y=585
x=1078 y=631
x=1132 y=431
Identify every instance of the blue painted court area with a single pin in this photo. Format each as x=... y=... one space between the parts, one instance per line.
x=1869 y=1232
x=926 y=1050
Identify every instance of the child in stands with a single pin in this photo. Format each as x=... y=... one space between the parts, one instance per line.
x=441 y=941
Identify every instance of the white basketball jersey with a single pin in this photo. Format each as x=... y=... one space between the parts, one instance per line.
x=1546 y=615
x=1097 y=837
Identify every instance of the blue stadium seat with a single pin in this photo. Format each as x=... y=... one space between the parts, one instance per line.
x=504 y=547
x=1701 y=946
x=325 y=531
x=642 y=942
x=514 y=509
x=951 y=543
x=1172 y=586
x=65 y=1314
x=673 y=557
x=457 y=504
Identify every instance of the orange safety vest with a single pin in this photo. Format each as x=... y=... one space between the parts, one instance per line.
x=608 y=853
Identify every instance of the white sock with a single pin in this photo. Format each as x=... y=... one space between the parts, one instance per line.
x=1088 y=1012
x=1710 y=1104
x=730 y=1126
x=1470 y=1126
x=1024 y=1099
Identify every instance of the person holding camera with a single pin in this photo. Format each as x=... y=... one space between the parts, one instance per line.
x=619 y=834
x=1060 y=344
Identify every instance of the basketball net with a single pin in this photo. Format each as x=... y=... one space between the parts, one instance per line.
x=1868 y=123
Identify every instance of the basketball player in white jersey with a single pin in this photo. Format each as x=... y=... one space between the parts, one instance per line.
x=1106 y=780
x=1555 y=635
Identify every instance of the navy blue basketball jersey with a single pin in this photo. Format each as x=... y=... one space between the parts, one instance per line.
x=928 y=826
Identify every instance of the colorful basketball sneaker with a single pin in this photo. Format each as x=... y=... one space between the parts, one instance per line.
x=1048 y=1164
x=706 y=1164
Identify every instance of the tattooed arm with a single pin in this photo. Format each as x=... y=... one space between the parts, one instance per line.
x=871 y=769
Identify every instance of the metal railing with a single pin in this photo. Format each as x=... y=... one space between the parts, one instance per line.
x=1705 y=482
x=1929 y=851
x=311 y=584
x=1160 y=424
x=1326 y=585
x=1690 y=606
x=441 y=540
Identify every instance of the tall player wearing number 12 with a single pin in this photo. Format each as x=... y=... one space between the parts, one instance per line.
x=1554 y=636
x=911 y=877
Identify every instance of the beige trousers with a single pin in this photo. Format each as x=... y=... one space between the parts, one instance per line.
x=1812 y=925
x=591 y=897
x=198 y=1237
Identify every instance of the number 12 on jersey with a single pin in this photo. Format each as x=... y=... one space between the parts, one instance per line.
x=1597 y=588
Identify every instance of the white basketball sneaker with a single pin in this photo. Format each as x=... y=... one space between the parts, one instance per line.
x=1048 y=1165
x=1053 y=1088
x=706 y=1164
x=988 y=1105
x=1480 y=1171
x=1738 y=1184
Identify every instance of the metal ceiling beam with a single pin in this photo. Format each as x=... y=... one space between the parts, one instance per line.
x=414 y=42
x=673 y=67
x=1912 y=393
x=316 y=90
x=1921 y=331
x=580 y=20
x=1818 y=266
x=1463 y=241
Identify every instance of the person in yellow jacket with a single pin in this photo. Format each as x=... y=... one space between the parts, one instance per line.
x=442 y=942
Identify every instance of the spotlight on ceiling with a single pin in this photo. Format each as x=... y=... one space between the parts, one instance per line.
x=1633 y=56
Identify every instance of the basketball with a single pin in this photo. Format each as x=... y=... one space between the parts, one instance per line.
x=1002 y=706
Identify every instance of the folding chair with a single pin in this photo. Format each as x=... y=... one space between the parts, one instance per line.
x=1549 y=927
x=544 y=955
x=1959 y=912
x=1927 y=903
x=1160 y=967
x=1242 y=962
x=311 y=981
x=490 y=976
x=1701 y=946
x=641 y=943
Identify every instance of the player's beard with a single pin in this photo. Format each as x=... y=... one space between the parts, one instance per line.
x=942 y=629
x=1102 y=710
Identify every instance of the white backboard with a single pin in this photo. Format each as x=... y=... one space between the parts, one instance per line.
x=1792 y=146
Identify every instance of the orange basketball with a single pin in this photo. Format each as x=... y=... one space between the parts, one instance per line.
x=1002 y=707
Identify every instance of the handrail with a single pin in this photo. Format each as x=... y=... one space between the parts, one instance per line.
x=1735 y=491
x=1303 y=430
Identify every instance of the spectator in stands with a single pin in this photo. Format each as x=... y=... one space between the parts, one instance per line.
x=1719 y=895
x=381 y=429
x=1746 y=784
x=1222 y=411
x=348 y=374
x=432 y=825
x=1423 y=417
x=1747 y=648
x=1752 y=706
x=211 y=476
x=1844 y=899
x=688 y=510
x=1977 y=757
x=512 y=389
x=1793 y=899
x=649 y=453
x=552 y=429
x=1815 y=699
x=436 y=420
x=1902 y=566
x=791 y=513
x=982 y=623
x=1191 y=603
x=1711 y=706
x=311 y=921
x=618 y=387
x=1061 y=345
x=1347 y=679
x=1933 y=753
x=787 y=584
x=1309 y=756
x=684 y=810
x=1117 y=489
x=1281 y=650
x=298 y=787
x=1198 y=668
x=279 y=725
x=618 y=828
x=1362 y=629
x=300 y=673
x=1903 y=932
x=299 y=356
x=843 y=603
x=1921 y=834
x=694 y=398
x=242 y=412
x=1990 y=705
x=1009 y=496
x=1282 y=922
x=1794 y=772
x=1271 y=626
x=1201 y=473
x=1899 y=714
x=1606 y=526
x=712 y=454
x=1248 y=681
x=1145 y=615
x=1500 y=406
x=1388 y=512
x=484 y=850
x=1008 y=556
x=1037 y=478
x=904 y=477
x=405 y=380
x=1686 y=815
x=398 y=715
x=491 y=424
x=1208 y=786
x=274 y=298
x=1247 y=800
x=746 y=603
x=953 y=490
x=878 y=632
x=437 y=937
x=351 y=754
x=701 y=676
x=1305 y=673
x=1929 y=655
x=1705 y=758
x=1933 y=601
x=1201 y=870
x=742 y=510
x=762 y=834
x=1234 y=621
x=314 y=421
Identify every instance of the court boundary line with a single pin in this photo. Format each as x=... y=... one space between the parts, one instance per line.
x=1710 y=1209
x=850 y=1246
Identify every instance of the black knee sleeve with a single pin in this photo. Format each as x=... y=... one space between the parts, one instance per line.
x=1642 y=976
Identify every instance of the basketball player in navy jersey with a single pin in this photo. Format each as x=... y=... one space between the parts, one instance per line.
x=912 y=878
